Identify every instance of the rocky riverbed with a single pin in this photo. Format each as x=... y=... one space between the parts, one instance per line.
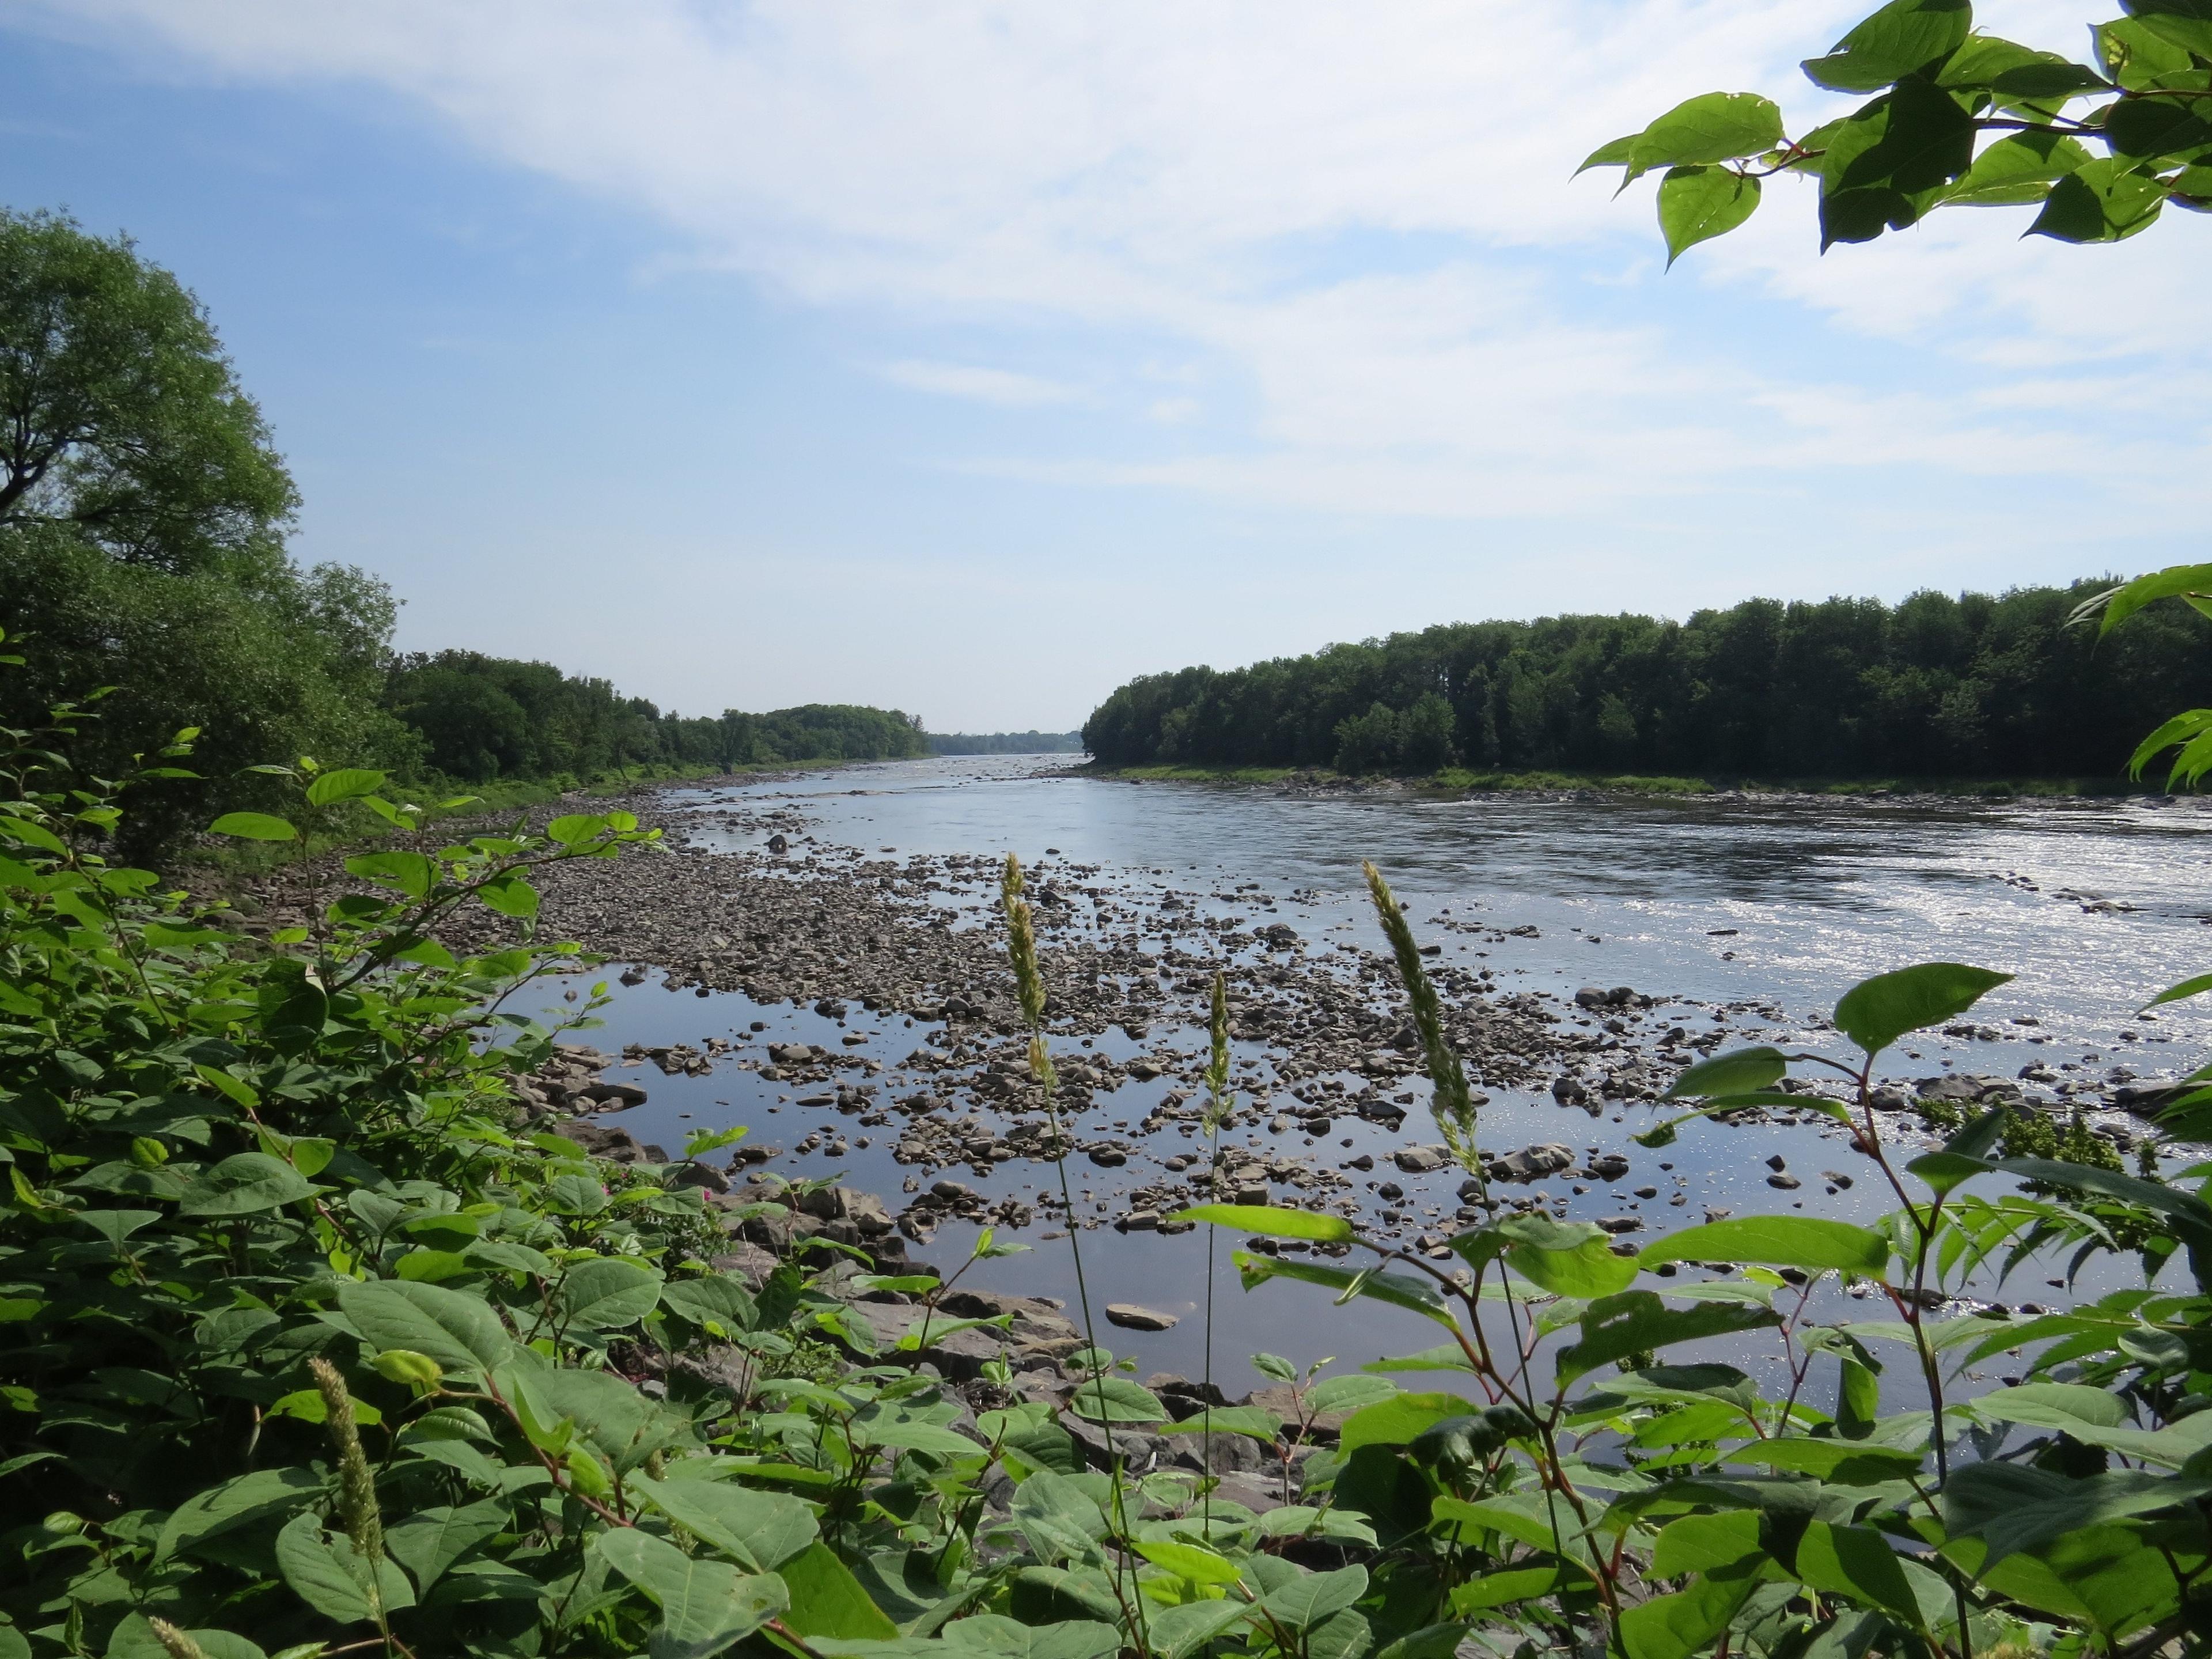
x=902 y=956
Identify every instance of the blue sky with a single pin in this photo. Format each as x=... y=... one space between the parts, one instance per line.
x=971 y=358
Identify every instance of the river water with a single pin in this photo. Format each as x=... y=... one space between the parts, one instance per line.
x=1769 y=908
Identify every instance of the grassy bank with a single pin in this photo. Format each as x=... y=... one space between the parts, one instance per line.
x=1456 y=780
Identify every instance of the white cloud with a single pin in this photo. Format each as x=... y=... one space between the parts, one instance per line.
x=1359 y=216
x=1003 y=387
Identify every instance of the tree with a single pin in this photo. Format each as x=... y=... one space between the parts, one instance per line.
x=120 y=414
x=1957 y=118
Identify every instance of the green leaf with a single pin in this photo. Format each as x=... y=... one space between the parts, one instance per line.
x=234 y=1503
x=761 y=1529
x=2054 y=1406
x=1697 y=203
x=2102 y=201
x=1775 y=1240
x=1707 y=1543
x=1398 y=1290
x=1637 y=1322
x=1250 y=1421
x=606 y=1293
x=134 y=1639
x=1903 y=36
x=1177 y=1633
x=253 y=826
x=2117 y=605
x=1858 y=1562
x=574 y=827
x=1567 y=1258
x=244 y=1183
x=1741 y=1071
x=2014 y=1507
x=717 y=1299
x=1875 y=1013
x=2184 y=23
x=826 y=1600
x=343 y=784
x=1678 y=1625
x=2016 y=170
x=413 y=873
x=460 y=1332
x=1944 y=1171
x=430 y=1540
x=1399 y=1420
x=2187 y=987
x=1270 y=1222
x=1841 y=1462
x=1191 y=1561
x=1115 y=1400
x=510 y=895
x=1616 y=153
x=1306 y=1600
x=1716 y=126
x=705 y=1606
x=331 y=1576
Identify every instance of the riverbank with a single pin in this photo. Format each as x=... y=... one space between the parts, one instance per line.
x=1462 y=783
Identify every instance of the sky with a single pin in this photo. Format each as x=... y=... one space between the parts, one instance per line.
x=971 y=358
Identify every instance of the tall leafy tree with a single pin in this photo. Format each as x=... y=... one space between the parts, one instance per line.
x=120 y=414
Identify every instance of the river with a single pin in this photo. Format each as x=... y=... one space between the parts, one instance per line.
x=1769 y=908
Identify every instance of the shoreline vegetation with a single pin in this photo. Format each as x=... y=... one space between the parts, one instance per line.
x=1459 y=782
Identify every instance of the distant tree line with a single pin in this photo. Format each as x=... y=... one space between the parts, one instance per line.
x=1005 y=743
x=481 y=718
x=1936 y=686
x=144 y=513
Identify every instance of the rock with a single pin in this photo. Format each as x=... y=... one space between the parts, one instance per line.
x=1608 y=1166
x=778 y=844
x=693 y=1174
x=1777 y=1163
x=602 y=1141
x=1787 y=1183
x=1530 y=1163
x=1217 y=1453
x=1131 y=1316
x=790 y=1054
x=613 y=1096
x=1569 y=1090
x=1106 y=1158
x=1421 y=1160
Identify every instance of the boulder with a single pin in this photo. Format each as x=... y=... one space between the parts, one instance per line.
x=1529 y=1164
x=1421 y=1160
x=1134 y=1317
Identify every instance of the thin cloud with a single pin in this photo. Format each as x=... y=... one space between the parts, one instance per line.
x=1006 y=387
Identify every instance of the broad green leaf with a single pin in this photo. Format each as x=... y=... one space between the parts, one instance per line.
x=1567 y=1258
x=510 y=895
x=1398 y=1290
x=1741 y=1071
x=1860 y=1563
x=430 y=1540
x=1191 y=1561
x=460 y=1332
x=2014 y=1507
x=2187 y=987
x=1843 y=1463
x=1678 y=1625
x=234 y=1503
x=2184 y=23
x=575 y=827
x=719 y=1298
x=343 y=784
x=253 y=826
x=1707 y=1543
x=244 y=1183
x=134 y=1639
x=1177 y=1633
x=1697 y=203
x=1716 y=126
x=1270 y=1222
x=826 y=1600
x=1398 y=1420
x=705 y=1606
x=1002 y=1638
x=1306 y=1600
x=1348 y=1393
x=761 y=1529
x=1903 y=36
x=334 y=1578
x=2054 y=1406
x=1249 y=1421
x=2017 y=169
x=1875 y=1013
x=606 y=1293
x=1776 y=1241
x=2105 y=200
x=1616 y=153
x=1637 y=1322
x=1502 y=1589
x=413 y=873
x=1115 y=1400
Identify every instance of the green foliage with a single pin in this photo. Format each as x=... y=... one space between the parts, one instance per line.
x=1937 y=686
x=481 y=718
x=1957 y=118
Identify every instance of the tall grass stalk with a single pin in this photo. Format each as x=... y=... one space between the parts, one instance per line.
x=1217 y=1110
x=1029 y=985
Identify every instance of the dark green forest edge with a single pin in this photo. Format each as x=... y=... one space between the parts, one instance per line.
x=144 y=509
x=314 y=1348
x=1932 y=690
